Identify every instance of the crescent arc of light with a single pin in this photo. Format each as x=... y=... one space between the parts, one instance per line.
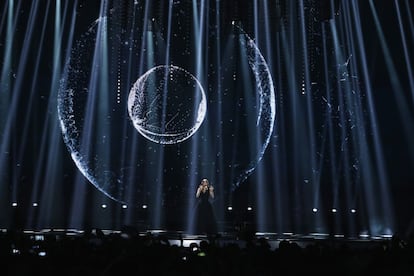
x=266 y=93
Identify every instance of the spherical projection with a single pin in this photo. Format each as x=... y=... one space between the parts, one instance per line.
x=167 y=104
x=103 y=113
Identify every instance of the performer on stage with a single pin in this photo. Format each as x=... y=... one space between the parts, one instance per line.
x=205 y=220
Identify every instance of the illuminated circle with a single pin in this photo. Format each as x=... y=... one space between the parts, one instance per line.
x=167 y=104
x=98 y=102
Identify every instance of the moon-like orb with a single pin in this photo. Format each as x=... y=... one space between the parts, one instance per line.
x=167 y=104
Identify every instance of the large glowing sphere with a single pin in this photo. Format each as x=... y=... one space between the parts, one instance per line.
x=128 y=106
x=167 y=104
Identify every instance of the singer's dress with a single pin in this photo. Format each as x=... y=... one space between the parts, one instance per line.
x=205 y=220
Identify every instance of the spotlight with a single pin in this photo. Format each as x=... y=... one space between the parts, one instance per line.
x=103 y=206
x=15 y=251
x=315 y=210
x=229 y=208
x=41 y=254
x=14 y=204
x=124 y=206
x=39 y=238
x=353 y=210
x=364 y=234
x=334 y=210
x=144 y=206
x=249 y=208
x=34 y=204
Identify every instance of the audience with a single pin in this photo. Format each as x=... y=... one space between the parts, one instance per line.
x=131 y=253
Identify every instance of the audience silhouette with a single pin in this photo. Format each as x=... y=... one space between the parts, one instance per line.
x=129 y=252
